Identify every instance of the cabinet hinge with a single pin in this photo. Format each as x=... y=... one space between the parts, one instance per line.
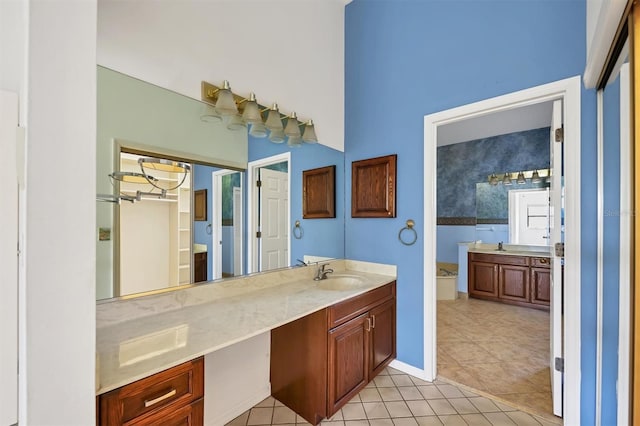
x=258 y=234
x=259 y=183
x=559 y=248
x=560 y=134
x=559 y=364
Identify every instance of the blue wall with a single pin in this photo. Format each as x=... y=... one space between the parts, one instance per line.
x=462 y=165
x=322 y=237
x=407 y=59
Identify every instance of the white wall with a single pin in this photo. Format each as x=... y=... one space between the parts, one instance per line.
x=57 y=263
x=286 y=51
x=236 y=379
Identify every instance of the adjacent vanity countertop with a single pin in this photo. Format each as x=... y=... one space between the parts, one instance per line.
x=165 y=330
x=511 y=250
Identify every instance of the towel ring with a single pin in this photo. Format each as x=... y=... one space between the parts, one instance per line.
x=297 y=231
x=409 y=227
x=209 y=229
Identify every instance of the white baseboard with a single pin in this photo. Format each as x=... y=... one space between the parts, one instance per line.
x=239 y=407
x=409 y=369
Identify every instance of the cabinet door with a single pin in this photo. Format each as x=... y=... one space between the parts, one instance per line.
x=541 y=286
x=348 y=361
x=189 y=415
x=383 y=336
x=483 y=279
x=200 y=267
x=513 y=282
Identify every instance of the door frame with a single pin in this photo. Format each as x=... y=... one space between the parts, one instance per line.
x=569 y=91
x=216 y=202
x=253 y=246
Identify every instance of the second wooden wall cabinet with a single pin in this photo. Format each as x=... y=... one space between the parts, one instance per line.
x=373 y=187
x=321 y=361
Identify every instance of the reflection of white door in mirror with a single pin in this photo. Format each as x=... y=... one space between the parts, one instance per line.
x=274 y=204
x=529 y=215
x=227 y=246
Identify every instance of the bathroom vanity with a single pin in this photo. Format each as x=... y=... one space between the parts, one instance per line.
x=517 y=277
x=149 y=349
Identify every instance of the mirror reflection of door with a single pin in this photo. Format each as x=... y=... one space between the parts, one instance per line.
x=227 y=225
x=529 y=217
x=273 y=205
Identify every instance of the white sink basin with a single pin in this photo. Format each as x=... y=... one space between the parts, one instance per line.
x=341 y=282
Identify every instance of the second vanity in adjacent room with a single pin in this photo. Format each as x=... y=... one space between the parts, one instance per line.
x=513 y=274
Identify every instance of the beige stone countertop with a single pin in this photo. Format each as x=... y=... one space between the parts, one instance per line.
x=157 y=334
x=511 y=250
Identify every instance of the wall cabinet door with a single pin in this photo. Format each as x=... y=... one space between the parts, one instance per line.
x=513 y=282
x=348 y=361
x=541 y=286
x=483 y=279
x=383 y=336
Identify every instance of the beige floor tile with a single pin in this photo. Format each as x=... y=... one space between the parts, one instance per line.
x=283 y=415
x=384 y=382
x=485 y=405
x=452 y=420
x=522 y=419
x=337 y=416
x=356 y=423
x=392 y=371
x=428 y=421
x=370 y=395
x=380 y=422
x=353 y=412
x=430 y=392
x=450 y=391
x=499 y=419
x=475 y=419
x=420 y=408
x=504 y=407
x=267 y=402
x=402 y=380
x=537 y=402
x=398 y=409
x=405 y=421
x=442 y=407
x=328 y=423
x=419 y=382
x=390 y=394
x=241 y=420
x=375 y=410
x=410 y=393
x=260 y=416
x=463 y=406
x=460 y=374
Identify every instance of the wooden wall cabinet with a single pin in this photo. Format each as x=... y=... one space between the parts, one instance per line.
x=200 y=205
x=321 y=361
x=373 y=187
x=318 y=193
x=520 y=280
x=171 y=397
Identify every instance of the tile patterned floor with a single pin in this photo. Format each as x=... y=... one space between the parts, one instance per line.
x=397 y=399
x=498 y=349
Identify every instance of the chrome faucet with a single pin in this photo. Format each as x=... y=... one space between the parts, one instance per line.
x=321 y=273
x=500 y=246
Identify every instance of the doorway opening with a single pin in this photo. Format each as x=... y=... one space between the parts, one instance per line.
x=566 y=334
x=227 y=229
x=269 y=216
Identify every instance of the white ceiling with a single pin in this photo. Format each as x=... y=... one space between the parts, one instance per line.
x=499 y=123
x=286 y=51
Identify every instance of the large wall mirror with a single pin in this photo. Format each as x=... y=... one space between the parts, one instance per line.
x=200 y=230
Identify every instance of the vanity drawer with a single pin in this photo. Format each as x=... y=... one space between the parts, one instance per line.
x=541 y=262
x=344 y=311
x=144 y=399
x=504 y=259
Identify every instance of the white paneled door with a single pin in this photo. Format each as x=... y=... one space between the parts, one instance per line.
x=274 y=204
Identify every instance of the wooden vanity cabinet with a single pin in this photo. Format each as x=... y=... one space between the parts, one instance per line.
x=321 y=361
x=171 y=397
x=520 y=280
x=200 y=267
